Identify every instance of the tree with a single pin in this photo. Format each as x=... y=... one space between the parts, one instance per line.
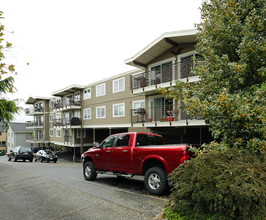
x=8 y=108
x=230 y=95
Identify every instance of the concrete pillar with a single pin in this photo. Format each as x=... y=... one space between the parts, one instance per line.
x=74 y=154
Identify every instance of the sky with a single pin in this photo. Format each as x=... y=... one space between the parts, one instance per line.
x=58 y=43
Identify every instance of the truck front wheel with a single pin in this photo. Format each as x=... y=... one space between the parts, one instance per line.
x=155 y=180
x=89 y=171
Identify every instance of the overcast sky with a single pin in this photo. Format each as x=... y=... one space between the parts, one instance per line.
x=80 y=42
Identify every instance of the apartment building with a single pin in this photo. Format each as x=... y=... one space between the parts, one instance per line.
x=166 y=60
x=39 y=110
x=76 y=116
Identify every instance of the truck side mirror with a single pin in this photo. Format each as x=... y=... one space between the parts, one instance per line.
x=96 y=144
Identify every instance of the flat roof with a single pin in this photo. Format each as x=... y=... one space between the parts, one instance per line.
x=33 y=99
x=160 y=45
x=67 y=90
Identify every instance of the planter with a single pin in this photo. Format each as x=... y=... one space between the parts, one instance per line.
x=170 y=118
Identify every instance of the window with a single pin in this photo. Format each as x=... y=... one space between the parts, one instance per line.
x=51 y=132
x=119 y=85
x=87 y=93
x=100 y=112
x=109 y=142
x=77 y=114
x=77 y=97
x=58 y=132
x=186 y=63
x=145 y=140
x=100 y=90
x=87 y=113
x=138 y=104
x=122 y=140
x=78 y=134
x=161 y=72
x=51 y=118
x=119 y=110
x=58 y=116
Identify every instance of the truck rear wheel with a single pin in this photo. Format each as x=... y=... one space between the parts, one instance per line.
x=155 y=181
x=89 y=171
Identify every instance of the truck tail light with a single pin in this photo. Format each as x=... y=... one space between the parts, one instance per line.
x=184 y=157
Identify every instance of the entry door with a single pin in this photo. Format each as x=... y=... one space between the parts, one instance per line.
x=160 y=107
x=156 y=108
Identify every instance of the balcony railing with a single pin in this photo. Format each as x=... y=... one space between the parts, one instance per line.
x=33 y=110
x=34 y=123
x=168 y=113
x=168 y=73
x=75 y=121
x=30 y=137
x=67 y=103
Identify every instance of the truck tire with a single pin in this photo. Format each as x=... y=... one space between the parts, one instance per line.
x=89 y=171
x=155 y=181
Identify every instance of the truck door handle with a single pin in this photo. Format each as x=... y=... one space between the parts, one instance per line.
x=125 y=151
x=108 y=151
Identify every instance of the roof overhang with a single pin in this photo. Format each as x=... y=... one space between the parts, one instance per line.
x=68 y=90
x=34 y=99
x=161 y=45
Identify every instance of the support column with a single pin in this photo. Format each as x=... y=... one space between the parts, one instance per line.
x=74 y=155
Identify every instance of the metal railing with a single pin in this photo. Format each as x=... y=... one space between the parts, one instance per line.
x=167 y=113
x=168 y=73
x=66 y=103
x=31 y=137
x=34 y=123
x=34 y=110
x=74 y=121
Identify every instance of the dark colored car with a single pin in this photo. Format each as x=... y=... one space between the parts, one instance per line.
x=46 y=155
x=20 y=153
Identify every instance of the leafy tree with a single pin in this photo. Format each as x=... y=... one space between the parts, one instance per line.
x=230 y=95
x=8 y=108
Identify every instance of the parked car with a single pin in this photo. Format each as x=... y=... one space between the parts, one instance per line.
x=20 y=153
x=46 y=155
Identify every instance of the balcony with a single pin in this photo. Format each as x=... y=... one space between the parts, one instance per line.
x=75 y=121
x=34 y=111
x=30 y=124
x=165 y=75
x=67 y=104
x=35 y=138
x=168 y=115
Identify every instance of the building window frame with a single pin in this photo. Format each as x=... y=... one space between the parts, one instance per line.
x=118 y=111
x=118 y=87
x=101 y=90
x=87 y=113
x=58 y=132
x=51 y=118
x=100 y=109
x=87 y=93
x=51 y=132
x=142 y=101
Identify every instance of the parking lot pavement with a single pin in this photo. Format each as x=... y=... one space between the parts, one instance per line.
x=25 y=195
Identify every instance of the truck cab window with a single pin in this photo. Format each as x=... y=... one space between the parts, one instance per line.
x=122 y=140
x=109 y=142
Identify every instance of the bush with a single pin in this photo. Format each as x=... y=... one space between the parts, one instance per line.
x=220 y=185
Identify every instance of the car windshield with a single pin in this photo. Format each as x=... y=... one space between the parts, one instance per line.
x=24 y=149
x=49 y=152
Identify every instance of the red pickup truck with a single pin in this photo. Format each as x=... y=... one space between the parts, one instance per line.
x=135 y=153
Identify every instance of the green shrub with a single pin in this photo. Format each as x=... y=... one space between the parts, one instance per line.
x=220 y=185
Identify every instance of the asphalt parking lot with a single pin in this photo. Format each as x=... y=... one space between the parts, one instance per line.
x=58 y=191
